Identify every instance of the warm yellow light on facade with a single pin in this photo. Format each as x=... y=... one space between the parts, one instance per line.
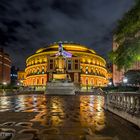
x=92 y=65
x=89 y=61
x=83 y=60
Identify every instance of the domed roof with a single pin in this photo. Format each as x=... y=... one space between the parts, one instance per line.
x=67 y=47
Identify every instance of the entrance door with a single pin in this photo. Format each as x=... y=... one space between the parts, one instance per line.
x=76 y=78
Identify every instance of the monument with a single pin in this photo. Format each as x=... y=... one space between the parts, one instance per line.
x=62 y=78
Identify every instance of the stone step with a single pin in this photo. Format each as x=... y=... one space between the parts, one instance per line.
x=60 y=91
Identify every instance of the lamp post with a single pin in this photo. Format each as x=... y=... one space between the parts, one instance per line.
x=125 y=80
x=4 y=84
x=110 y=83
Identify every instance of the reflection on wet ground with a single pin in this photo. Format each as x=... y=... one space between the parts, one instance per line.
x=72 y=111
x=59 y=110
x=20 y=103
x=63 y=115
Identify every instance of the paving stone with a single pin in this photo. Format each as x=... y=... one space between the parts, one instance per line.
x=6 y=136
x=8 y=124
x=62 y=137
x=24 y=137
x=6 y=133
x=10 y=130
x=95 y=137
x=75 y=131
x=33 y=131
x=50 y=131
x=115 y=138
x=24 y=124
x=99 y=127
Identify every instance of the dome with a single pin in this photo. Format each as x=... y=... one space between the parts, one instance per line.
x=67 y=46
x=92 y=66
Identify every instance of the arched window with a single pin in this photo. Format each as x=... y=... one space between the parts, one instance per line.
x=37 y=81
x=76 y=64
x=93 y=61
x=86 y=80
x=92 y=81
x=42 y=80
x=33 y=81
x=69 y=65
x=51 y=64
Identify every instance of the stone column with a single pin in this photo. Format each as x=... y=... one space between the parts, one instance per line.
x=128 y=103
x=137 y=105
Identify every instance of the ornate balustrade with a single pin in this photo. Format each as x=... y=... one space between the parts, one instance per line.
x=126 y=105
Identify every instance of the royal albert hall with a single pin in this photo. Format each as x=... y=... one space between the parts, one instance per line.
x=83 y=65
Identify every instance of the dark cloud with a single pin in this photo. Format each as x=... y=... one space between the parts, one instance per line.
x=69 y=7
x=26 y=25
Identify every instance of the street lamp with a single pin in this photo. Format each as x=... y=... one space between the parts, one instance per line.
x=110 y=83
x=125 y=80
x=4 y=83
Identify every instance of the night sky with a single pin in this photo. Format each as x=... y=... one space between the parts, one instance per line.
x=27 y=25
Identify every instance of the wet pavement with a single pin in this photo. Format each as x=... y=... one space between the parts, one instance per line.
x=42 y=117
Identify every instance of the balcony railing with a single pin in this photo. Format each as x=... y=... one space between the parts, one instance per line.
x=37 y=73
x=93 y=73
x=126 y=102
x=33 y=64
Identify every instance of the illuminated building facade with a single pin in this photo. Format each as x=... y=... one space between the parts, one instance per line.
x=5 y=68
x=84 y=66
x=21 y=76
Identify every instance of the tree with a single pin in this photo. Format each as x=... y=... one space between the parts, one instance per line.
x=127 y=36
x=129 y=25
x=127 y=54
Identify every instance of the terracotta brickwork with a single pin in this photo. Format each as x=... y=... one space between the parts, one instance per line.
x=5 y=67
